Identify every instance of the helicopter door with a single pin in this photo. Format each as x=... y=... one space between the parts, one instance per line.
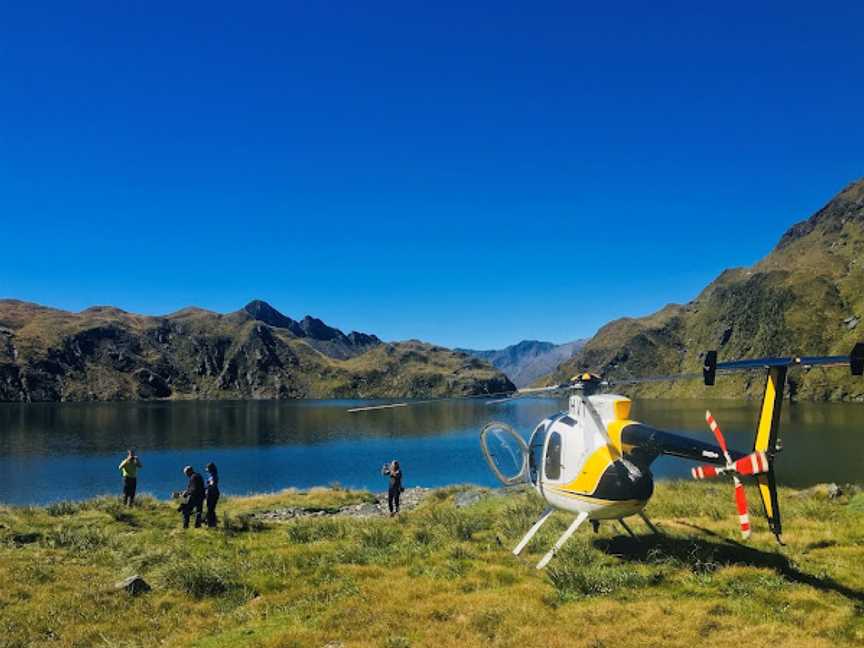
x=506 y=453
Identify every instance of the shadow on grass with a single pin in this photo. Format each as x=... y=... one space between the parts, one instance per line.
x=701 y=555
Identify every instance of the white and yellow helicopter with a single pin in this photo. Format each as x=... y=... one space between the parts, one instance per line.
x=594 y=461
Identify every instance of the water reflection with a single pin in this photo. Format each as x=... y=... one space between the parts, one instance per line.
x=57 y=451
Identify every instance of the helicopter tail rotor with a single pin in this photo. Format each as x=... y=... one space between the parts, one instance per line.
x=753 y=464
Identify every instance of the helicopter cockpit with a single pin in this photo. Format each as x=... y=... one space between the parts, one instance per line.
x=513 y=461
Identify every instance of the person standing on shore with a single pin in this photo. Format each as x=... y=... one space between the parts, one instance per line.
x=129 y=470
x=395 y=489
x=211 y=494
x=193 y=497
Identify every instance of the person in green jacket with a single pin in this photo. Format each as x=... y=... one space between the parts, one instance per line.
x=129 y=469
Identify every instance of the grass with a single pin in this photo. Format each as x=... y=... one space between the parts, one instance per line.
x=438 y=576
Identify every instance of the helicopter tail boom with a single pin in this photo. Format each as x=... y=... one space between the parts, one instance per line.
x=649 y=443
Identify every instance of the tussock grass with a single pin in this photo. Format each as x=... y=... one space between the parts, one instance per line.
x=438 y=576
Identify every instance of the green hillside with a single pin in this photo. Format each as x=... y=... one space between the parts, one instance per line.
x=104 y=353
x=806 y=296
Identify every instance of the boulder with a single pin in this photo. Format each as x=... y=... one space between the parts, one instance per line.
x=133 y=585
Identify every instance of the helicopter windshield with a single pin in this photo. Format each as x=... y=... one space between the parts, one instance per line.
x=505 y=452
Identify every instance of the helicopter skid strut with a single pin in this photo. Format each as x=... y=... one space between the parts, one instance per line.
x=628 y=529
x=564 y=538
x=534 y=529
x=650 y=524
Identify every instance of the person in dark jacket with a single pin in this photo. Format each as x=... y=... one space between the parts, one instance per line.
x=395 y=489
x=211 y=494
x=193 y=497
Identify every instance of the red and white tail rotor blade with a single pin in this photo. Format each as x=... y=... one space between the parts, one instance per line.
x=704 y=472
x=752 y=464
x=721 y=440
x=741 y=505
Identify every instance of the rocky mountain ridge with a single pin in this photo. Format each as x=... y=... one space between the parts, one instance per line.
x=104 y=353
x=528 y=360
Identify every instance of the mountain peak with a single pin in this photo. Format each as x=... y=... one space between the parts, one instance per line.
x=264 y=312
x=844 y=206
x=315 y=328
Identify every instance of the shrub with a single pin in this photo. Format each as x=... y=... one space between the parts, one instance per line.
x=201 y=578
x=424 y=536
x=308 y=530
x=572 y=580
x=487 y=623
x=76 y=539
x=244 y=523
x=58 y=509
x=379 y=536
x=459 y=525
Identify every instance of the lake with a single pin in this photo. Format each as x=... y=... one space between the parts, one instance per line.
x=51 y=452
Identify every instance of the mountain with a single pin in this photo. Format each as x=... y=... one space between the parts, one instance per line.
x=805 y=297
x=527 y=360
x=104 y=353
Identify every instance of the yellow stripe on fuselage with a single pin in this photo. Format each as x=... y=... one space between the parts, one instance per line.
x=593 y=469
x=615 y=430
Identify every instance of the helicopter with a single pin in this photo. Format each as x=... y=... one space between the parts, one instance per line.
x=594 y=462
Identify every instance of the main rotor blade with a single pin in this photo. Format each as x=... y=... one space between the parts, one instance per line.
x=612 y=382
x=854 y=360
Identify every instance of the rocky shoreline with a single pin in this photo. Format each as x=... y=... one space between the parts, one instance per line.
x=411 y=499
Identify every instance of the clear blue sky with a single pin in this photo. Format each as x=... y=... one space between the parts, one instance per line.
x=469 y=175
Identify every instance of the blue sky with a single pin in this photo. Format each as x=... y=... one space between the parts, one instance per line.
x=469 y=174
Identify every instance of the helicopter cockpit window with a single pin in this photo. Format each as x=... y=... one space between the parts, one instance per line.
x=553 y=457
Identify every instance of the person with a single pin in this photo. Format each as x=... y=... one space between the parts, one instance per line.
x=212 y=494
x=395 y=489
x=129 y=470
x=193 y=497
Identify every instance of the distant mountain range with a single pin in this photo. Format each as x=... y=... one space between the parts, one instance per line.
x=805 y=297
x=528 y=360
x=104 y=353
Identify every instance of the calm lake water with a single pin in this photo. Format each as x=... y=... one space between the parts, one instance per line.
x=51 y=452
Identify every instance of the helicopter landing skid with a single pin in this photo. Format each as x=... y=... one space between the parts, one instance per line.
x=564 y=538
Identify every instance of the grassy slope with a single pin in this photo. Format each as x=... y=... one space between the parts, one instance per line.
x=793 y=301
x=436 y=577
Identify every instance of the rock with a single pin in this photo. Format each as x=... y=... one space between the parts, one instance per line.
x=852 y=323
x=410 y=499
x=134 y=585
x=827 y=491
x=468 y=498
